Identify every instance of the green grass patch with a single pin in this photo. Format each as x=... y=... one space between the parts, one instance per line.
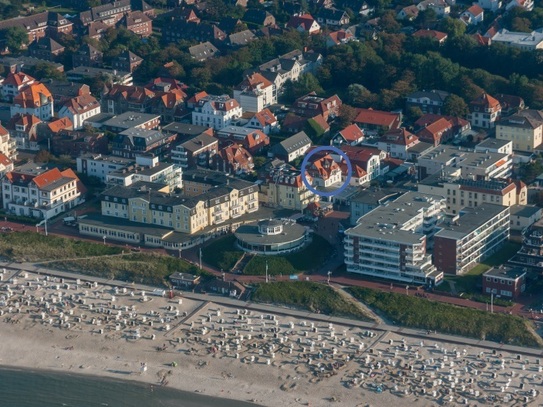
x=141 y=268
x=307 y=259
x=507 y=251
x=31 y=246
x=307 y=295
x=414 y=312
x=222 y=253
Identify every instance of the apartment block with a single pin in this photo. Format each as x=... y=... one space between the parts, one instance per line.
x=285 y=188
x=100 y=165
x=216 y=111
x=391 y=241
x=524 y=129
x=471 y=237
x=198 y=151
x=505 y=281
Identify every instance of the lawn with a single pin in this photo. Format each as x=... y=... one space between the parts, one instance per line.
x=222 y=253
x=414 y=312
x=307 y=295
x=31 y=246
x=307 y=259
x=140 y=268
x=507 y=251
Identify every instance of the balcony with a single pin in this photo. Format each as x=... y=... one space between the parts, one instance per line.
x=252 y=209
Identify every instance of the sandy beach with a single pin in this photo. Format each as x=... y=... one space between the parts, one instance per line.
x=272 y=360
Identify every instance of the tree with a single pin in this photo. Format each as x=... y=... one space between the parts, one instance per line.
x=44 y=70
x=453 y=27
x=455 y=106
x=358 y=95
x=15 y=38
x=259 y=161
x=43 y=156
x=346 y=116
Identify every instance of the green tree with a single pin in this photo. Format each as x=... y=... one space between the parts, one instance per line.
x=15 y=38
x=44 y=70
x=453 y=27
x=346 y=116
x=455 y=106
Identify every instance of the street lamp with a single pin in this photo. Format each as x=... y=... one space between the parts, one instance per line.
x=329 y=274
x=266 y=271
x=104 y=237
x=406 y=290
x=179 y=248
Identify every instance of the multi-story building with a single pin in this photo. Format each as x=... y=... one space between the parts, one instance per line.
x=100 y=165
x=464 y=192
x=13 y=83
x=324 y=171
x=368 y=158
x=312 y=105
x=132 y=120
x=255 y=93
x=351 y=135
x=87 y=55
x=8 y=145
x=505 y=281
x=531 y=253
x=198 y=151
x=390 y=241
x=24 y=130
x=45 y=48
x=147 y=169
x=367 y=200
x=137 y=22
x=525 y=41
x=79 y=109
x=35 y=99
x=377 y=121
x=216 y=111
x=126 y=61
x=470 y=237
x=109 y=13
x=233 y=158
x=427 y=101
x=121 y=99
x=479 y=165
x=492 y=145
x=293 y=147
x=39 y=193
x=484 y=111
x=75 y=143
x=47 y=23
x=524 y=129
x=285 y=188
x=397 y=142
x=135 y=141
x=252 y=140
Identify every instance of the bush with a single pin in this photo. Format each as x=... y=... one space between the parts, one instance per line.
x=420 y=313
x=222 y=253
x=308 y=295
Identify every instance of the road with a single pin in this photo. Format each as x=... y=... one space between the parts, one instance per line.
x=263 y=308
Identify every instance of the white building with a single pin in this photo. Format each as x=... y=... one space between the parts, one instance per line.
x=34 y=192
x=147 y=169
x=34 y=99
x=524 y=41
x=12 y=84
x=79 y=109
x=99 y=165
x=255 y=93
x=216 y=111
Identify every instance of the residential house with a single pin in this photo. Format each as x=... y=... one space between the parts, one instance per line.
x=136 y=141
x=252 y=140
x=76 y=143
x=100 y=165
x=332 y=17
x=7 y=144
x=79 y=109
x=6 y=165
x=45 y=48
x=494 y=145
x=47 y=23
x=439 y=36
x=191 y=31
x=88 y=73
x=240 y=39
x=203 y=51
x=87 y=55
x=137 y=22
x=96 y=30
x=231 y=25
x=121 y=99
x=132 y=120
x=63 y=91
x=524 y=129
x=484 y=111
x=441 y=7
x=184 y=280
x=351 y=135
x=47 y=130
x=312 y=105
x=374 y=121
x=339 y=37
x=400 y=231
x=527 y=5
x=397 y=142
x=34 y=192
x=186 y=131
x=13 y=83
x=466 y=192
x=198 y=151
x=325 y=171
x=473 y=15
x=233 y=159
x=285 y=188
x=126 y=61
x=525 y=41
x=436 y=133
x=408 y=13
x=490 y=5
x=458 y=126
x=34 y=99
x=530 y=254
x=304 y=23
x=292 y=147
x=259 y=18
x=470 y=238
x=510 y=103
x=255 y=93
x=504 y=281
x=216 y=111
x=524 y=216
x=367 y=158
x=168 y=104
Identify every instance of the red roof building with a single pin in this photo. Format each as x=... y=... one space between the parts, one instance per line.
x=439 y=36
x=375 y=120
x=304 y=23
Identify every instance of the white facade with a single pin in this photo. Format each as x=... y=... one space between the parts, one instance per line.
x=43 y=112
x=492 y=5
x=99 y=165
x=79 y=117
x=216 y=112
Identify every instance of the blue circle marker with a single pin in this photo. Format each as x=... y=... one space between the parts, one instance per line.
x=349 y=171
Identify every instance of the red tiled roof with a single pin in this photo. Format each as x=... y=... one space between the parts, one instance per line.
x=4 y=160
x=475 y=10
x=33 y=96
x=352 y=133
x=17 y=79
x=486 y=101
x=47 y=177
x=3 y=131
x=400 y=137
x=323 y=167
x=57 y=125
x=265 y=117
x=377 y=117
x=305 y=20
x=438 y=35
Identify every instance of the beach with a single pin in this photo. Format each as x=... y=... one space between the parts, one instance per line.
x=198 y=346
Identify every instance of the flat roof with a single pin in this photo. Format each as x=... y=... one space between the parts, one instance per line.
x=469 y=220
x=109 y=222
x=525 y=211
x=505 y=272
x=493 y=143
x=251 y=234
x=128 y=120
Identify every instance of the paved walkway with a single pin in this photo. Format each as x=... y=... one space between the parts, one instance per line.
x=263 y=308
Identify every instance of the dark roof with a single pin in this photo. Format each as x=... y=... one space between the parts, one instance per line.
x=46 y=43
x=434 y=95
x=293 y=143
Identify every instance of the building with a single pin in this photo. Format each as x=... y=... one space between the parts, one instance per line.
x=100 y=165
x=75 y=143
x=505 y=281
x=126 y=61
x=63 y=91
x=304 y=23
x=524 y=129
x=368 y=158
x=524 y=216
x=137 y=22
x=36 y=100
x=192 y=31
x=233 y=159
x=473 y=15
x=258 y=17
x=522 y=40
x=437 y=132
x=332 y=17
x=427 y=101
x=465 y=192
x=264 y=120
x=122 y=99
x=132 y=120
x=472 y=164
x=203 y=51
x=24 y=130
x=216 y=111
x=255 y=93
x=47 y=23
x=397 y=142
x=149 y=170
x=240 y=39
x=79 y=109
x=367 y=200
x=531 y=253
x=8 y=145
x=271 y=237
x=325 y=172
x=312 y=105
x=484 y=111
x=292 y=147
x=13 y=83
x=390 y=242
x=339 y=37
x=470 y=237
x=135 y=141
x=492 y=5
x=184 y=280
x=493 y=145
x=45 y=48
x=438 y=36
x=38 y=193
x=351 y=135
x=375 y=121
x=198 y=151
x=109 y=13
x=87 y=55
x=442 y=8
x=86 y=73
x=285 y=188
x=252 y=140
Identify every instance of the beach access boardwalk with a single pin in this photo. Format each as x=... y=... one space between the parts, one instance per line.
x=274 y=309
